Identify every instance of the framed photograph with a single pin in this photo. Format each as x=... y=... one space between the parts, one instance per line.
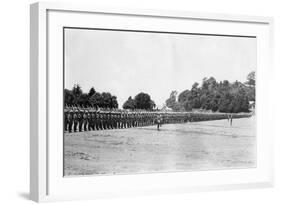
x=130 y=102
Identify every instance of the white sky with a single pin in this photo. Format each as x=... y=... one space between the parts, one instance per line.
x=126 y=63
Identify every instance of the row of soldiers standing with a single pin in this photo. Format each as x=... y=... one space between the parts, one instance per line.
x=87 y=119
x=83 y=119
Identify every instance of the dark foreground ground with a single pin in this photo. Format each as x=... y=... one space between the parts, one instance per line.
x=176 y=147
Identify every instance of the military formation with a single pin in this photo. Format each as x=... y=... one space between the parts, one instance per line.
x=89 y=119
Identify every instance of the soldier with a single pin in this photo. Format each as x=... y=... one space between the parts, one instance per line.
x=98 y=121
x=65 y=119
x=107 y=120
x=126 y=120
x=93 y=120
x=130 y=119
x=89 y=119
x=118 y=120
x=144 y=119
x=137 y=119
x=70 y=120
x=102 y=120
x=112 y=120
x=147 y=119
x=150 y=119
x=80 y=120
x=75 y=120
x=123 y=120
x=158 y=121
x=133 y=119
x=85 y=120
x=140 y=119
x=153 y=118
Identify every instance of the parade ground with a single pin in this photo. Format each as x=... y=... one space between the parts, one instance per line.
x=191 y=146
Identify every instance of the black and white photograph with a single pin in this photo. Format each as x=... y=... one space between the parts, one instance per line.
x=138 y=102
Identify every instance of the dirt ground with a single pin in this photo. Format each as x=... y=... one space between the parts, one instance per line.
x=176 y=147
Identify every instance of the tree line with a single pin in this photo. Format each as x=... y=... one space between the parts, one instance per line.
x=216 y=96
x=76 y=97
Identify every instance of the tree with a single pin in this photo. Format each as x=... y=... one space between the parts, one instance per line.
x=68 y=97
x=76 y=92
x=172 y=99
x=143 y=101
x=106 y=100
x=96 y=100
x=184 y=96
x=187 y=106
x=251 y=83
x=172 y=102
x=129 y=104
x=83 y=100
x=195 y=85
x=209 y=83
x=76 y=97
x=251 y=79
x=114 y=103
x=152 y=104
x=223 y=96
x=92 y=91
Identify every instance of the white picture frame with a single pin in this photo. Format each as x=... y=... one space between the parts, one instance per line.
x=46 y=179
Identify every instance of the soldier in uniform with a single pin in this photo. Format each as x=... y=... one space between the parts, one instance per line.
x=65 y=119
x=89 y=120
x=107 y=120
x=158 y=121
x=93 y=120
x=118 y=120
x=143 y=118
x=127 y=120
x=137 y=119
x=70 y=120
x=75 y=120
x=112 y=120
x=133 y=119
x=80 y=119
x=98 y=121
x=140 y=119
x=231 y=117
x=150 y=118
x=122 y=125
x=102 y=120
x=85 y=120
